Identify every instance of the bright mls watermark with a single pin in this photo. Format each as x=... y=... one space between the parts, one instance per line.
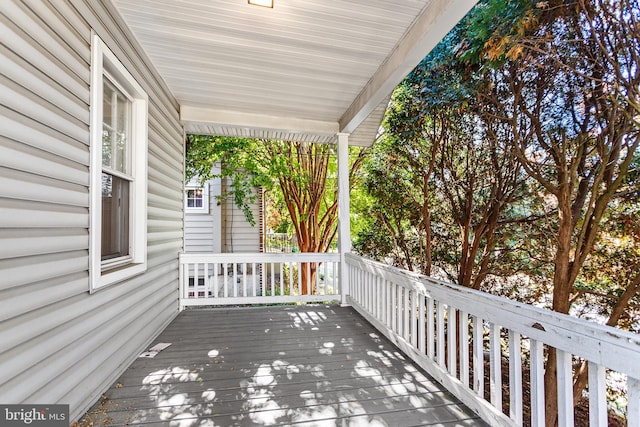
x=34 y=415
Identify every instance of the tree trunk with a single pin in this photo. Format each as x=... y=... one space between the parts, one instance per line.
x=562 y=286
x=309 y=271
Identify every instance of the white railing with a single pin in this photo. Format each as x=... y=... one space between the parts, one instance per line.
x=428 y=319
x=258 y=278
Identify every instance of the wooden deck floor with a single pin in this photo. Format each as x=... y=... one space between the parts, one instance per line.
x=303 y=365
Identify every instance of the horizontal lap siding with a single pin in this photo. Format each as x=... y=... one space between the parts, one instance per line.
x=202 y=231
x=59 y=343
x=239 y=234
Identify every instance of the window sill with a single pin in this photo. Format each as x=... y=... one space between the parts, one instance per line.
x=116 y=275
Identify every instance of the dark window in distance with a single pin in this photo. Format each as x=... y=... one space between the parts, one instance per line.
x=195 y=198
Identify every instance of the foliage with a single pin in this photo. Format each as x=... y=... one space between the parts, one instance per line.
x=530 y=113
x=301 y=179
x=239 y=165
x=443 y=177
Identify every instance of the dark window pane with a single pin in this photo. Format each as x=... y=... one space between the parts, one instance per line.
x=115 y=217
x=195 y=198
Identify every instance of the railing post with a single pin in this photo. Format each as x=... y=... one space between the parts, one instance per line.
x=344 y=229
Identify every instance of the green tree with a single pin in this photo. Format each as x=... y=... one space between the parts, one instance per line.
x=553 y=85
x=441 y=157
x=304 y=174
x=567 y=84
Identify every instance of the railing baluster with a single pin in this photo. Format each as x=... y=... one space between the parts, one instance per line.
x=389 y=303
x=393 y=307
x=244 y=279
x=495 y=366
x=291 y=291
x=565 y=389
x=597 y=395
x=225 y=275
x=383 y=300
x=207 y=280
x=254 y=275
x=376 y=301
x=440 y=338
x=235 y=279
x=263 y=279
x=365 y=289
x=214 y=280
x=365 y=292
x=399 y=325
x=414 y=318
x=325 y=279
x=431 y=339
x=633 y=402
x=537 y=383
x=451 y=339
x=406 y=310
x=478 y=356
x=515 y=377
x=325 y=285
x=356 y=285
x=196 y=279
x=421 y=323
x=464 y=347
x=370 y=291
x=273 y=278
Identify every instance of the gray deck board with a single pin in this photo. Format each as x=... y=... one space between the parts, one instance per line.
x=287 y=365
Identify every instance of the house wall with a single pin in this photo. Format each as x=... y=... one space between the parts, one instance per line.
x=203 y=231
x=58 y=343
x=224 y=228
x=238 y=234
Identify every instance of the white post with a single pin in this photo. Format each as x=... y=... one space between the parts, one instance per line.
x=344 y=226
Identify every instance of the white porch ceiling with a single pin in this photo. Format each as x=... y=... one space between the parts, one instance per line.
x=304 y=70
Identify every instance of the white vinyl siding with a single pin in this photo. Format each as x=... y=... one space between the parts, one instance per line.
x=224 y=228
x=61 y=344
x=238 y=235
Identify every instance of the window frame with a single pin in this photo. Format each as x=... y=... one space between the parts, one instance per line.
x=110 y=271
x=205 y=198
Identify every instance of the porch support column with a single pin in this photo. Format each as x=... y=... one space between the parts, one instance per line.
x=344 y=226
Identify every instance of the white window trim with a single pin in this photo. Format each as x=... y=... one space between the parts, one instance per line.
x=205 y=198
x=103 y=60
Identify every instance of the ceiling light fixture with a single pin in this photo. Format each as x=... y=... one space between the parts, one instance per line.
x=263 y=3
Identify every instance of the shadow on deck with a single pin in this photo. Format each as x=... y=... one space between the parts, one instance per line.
x=302 y=365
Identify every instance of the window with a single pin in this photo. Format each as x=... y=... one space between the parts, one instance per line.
x=196 y=199
x=118 y=170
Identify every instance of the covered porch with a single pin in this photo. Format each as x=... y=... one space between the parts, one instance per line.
x=302 y=71
x=282 y=365
x=408 y=350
